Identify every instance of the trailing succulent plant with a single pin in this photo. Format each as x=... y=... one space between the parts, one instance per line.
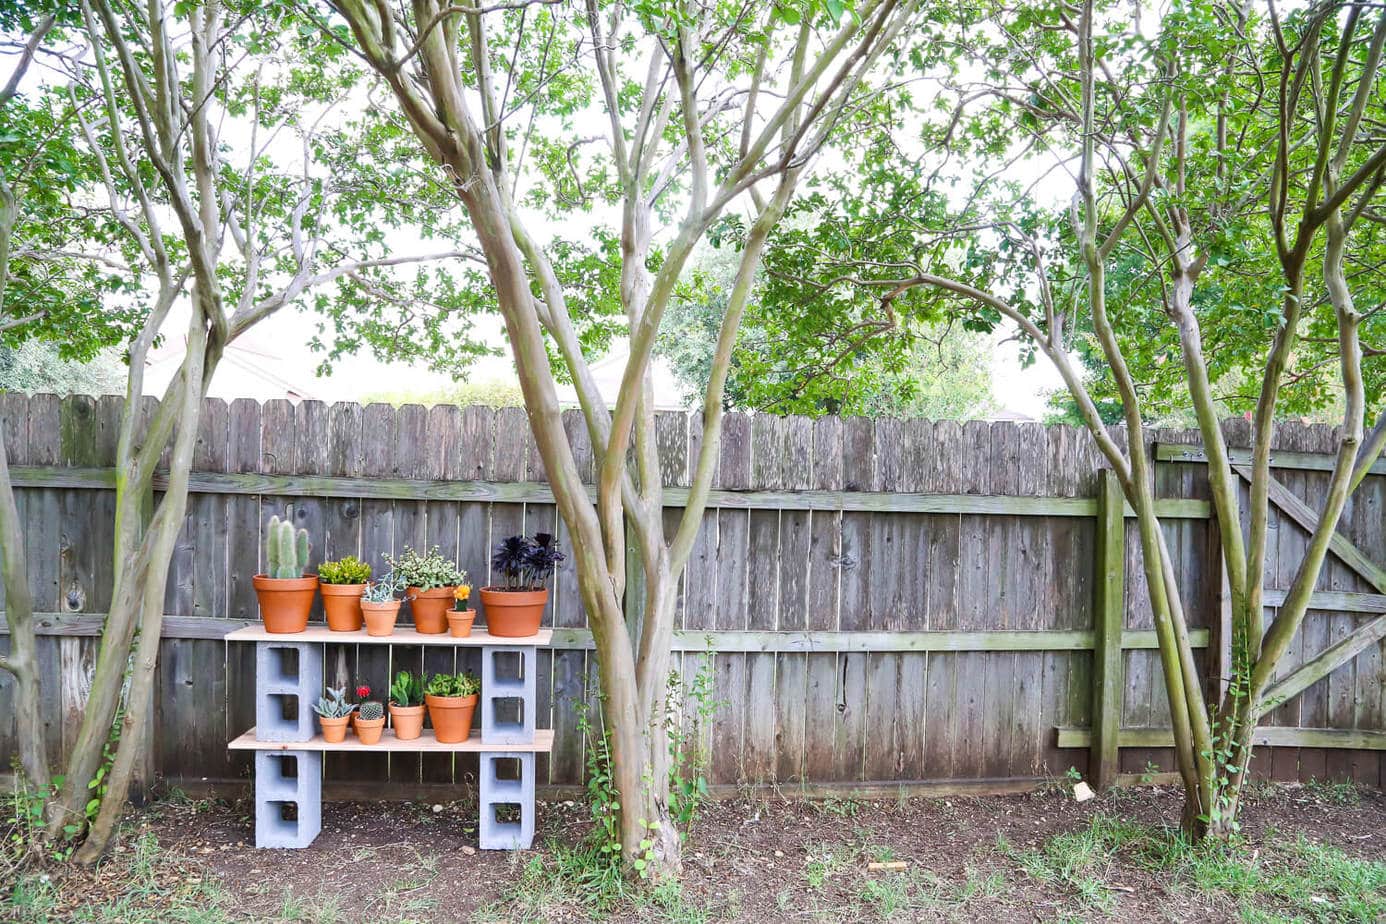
x=426 y=572
x=526 y=562
x=383 y=590
x=348 y=570
x=463 y=684
x=286 y=551
x=333 y=705
x=407 y=690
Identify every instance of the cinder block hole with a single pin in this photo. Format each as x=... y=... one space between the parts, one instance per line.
x=288 y=766
x=506 y=813
x=508 y=665
x=507 y=768
x=285 y=663
x=287 y=811
x=508 y=710
x=288 y=706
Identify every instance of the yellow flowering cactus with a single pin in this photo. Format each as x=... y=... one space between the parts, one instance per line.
x=462 y=592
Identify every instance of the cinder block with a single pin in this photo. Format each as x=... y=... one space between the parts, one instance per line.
x=513 y=794
x=288 y=681
x=288 y=798
x=507 y=689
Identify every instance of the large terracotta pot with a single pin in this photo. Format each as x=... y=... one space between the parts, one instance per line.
x=429 y=608
x=342 y=604
x=380 y=617
x=368 y=730
x=285 y=602
x=334 y=730
x=451 y=716
x=460 y=622
x=513 y=613
x=407 y=721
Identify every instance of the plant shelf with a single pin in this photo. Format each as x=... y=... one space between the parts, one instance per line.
x=425 y=743
x=403 y=635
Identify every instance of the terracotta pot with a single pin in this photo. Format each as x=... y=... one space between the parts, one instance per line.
x=368 y=731
x=513 y=613
x=380 y=617
x=342 y=604
x=407 y=721
x=460 y=622
x=451 y=716
x=285 y=602
x=428 y=607
x=334 y=730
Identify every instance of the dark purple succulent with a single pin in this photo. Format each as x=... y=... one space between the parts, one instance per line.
x=526 y=563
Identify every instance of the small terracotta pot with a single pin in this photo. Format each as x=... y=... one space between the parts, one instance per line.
x=513 y=613
x=407 y=721
x=368 y=731
x=451 y=716
x=285 y=602
x=428 y=607
x=342 y=604
x=460 y=622
x=334 y=730
x=380 y=617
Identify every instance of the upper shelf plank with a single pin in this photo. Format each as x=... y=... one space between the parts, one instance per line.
x=403 y=635
x=542 y=743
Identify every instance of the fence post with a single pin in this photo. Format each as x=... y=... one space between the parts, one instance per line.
x=1108 y=618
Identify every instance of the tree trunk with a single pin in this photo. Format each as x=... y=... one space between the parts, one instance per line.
x=22 y=659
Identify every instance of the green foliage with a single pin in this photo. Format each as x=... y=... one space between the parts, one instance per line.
x=407 y=689
x=493 y=393
x=348 y=570
x=790 y=361
x=426 y=572
x=460 y=684
x=334 y=705
x=286 y=552
x=36 y=367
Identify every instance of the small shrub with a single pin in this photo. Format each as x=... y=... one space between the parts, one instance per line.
x=463 y=684
x=349 y=570
x=426 y=572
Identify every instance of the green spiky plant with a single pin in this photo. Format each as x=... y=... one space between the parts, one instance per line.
x=286 y=551
x=370 y=710
x=407 y=690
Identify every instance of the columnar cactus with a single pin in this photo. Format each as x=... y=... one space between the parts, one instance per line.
x=285 y=551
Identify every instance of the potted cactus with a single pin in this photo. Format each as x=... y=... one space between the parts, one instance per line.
x=515 y=608
x=430 y=580
x=286 y=590
x=341 y=583
x=369 y=721
x=407 y=705
x=380 y=605
x=334 y=712
x=451 y=700
x=461 y=616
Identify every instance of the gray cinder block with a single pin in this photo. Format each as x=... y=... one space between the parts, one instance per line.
x=497 y=793
x=288 y=681
x=498 y=687
x=287 y=783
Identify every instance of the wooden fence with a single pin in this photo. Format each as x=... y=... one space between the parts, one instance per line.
x=875 y=601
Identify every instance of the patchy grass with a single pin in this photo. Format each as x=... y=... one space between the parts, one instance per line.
x=1288 y=878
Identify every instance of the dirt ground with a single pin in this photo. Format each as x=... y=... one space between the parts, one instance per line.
x=1039 y=857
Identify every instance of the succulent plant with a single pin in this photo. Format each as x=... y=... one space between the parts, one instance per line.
x=383 y=590
x=407 y=690
x=426 y=571
x=526 y=562
x=349 y=570
x=333 y=705
x=463 y=684
x=286 y=551
x=370 y=710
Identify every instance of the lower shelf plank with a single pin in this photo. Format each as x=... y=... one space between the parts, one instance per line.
x=543 y=742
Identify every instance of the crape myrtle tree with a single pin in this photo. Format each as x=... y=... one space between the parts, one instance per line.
x=1221 y=248
x=187 y=157
x=654 y=122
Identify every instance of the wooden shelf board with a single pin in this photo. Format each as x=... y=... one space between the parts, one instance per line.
x=403 y=635
x=543 y=742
